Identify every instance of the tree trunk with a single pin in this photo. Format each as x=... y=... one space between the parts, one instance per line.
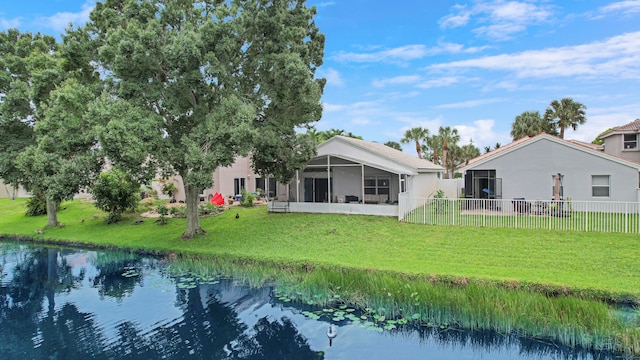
x=419 y=150
x=561 y=132
x=193 y=220
x=52 y=215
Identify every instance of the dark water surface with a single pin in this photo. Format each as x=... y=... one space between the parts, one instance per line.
x=59 y=303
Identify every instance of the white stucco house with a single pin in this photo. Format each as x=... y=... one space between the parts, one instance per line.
x=352 y=176
x=528 y=168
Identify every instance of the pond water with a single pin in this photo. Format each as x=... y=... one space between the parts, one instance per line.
x=61 y=303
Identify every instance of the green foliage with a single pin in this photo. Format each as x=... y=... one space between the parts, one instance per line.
x=247 y=198
x=169 y=188
x=208 y=209
x=394 y=145
x=163 y=211
x=418 y=136
x=177 y=211
x=115 y=192
x=36 y=205
x=531 y=123
x=599 y=140
x=566 y=113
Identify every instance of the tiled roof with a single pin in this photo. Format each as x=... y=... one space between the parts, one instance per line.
x=591 y=146
x=522 y=141
x=498 y=150
x=391 y=154
x=632 y=127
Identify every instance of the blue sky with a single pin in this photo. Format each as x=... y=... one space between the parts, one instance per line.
x=472 y=65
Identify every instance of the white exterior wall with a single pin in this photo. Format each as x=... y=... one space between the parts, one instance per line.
x=422 y=185
x=527 y=172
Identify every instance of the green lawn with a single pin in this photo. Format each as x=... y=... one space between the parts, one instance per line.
x=591 y=262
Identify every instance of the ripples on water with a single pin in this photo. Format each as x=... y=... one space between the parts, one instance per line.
x=68 y=304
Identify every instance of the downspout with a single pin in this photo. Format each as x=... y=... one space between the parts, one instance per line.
x=362 y=182
x=329 y=178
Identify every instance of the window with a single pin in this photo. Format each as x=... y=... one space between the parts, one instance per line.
x=600 y=185
x=238 y=185
x=630 y=141
x=376 y=185
x=272 y=189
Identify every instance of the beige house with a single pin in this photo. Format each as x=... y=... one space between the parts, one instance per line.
x=624 y=141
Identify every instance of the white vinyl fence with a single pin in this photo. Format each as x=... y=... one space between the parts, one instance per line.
x=619 y=217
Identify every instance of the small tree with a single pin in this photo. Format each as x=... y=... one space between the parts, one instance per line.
x=115 y=192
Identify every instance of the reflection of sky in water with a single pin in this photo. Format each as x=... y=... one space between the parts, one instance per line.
x=155 y=304
x=148 y=307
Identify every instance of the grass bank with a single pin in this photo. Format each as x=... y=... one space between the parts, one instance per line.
x=433 y=274
x=589 y=265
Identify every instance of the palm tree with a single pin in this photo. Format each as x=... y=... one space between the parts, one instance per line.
x=531 y=123
x=434 y=143
x=469 y=152
x=416 y=134
x=566 y=113
x=450 y=137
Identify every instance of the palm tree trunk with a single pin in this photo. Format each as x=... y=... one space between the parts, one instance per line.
x=418 y=149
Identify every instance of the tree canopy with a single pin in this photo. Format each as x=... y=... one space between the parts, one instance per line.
x=206 y=81
x=531 y=123
x=416 y=135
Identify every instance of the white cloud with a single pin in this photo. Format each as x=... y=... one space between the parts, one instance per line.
x=503 y=18
x=333 y=77
x=440 y=82
x=600 y=119
x=482 y=133
x=332 y=107
x=618 y=56
x=398 y=80
x=9 y=23
x=60 y=21
x=626 y=7
x=403 y=54
x=460 y=17
x=469 y=104
x=361 y=121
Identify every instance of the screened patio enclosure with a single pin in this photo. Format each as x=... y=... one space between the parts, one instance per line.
x=333 y=179
x=482 y=184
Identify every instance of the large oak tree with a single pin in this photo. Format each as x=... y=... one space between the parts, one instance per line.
x=202 y=81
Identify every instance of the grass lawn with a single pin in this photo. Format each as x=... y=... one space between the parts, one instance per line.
x=593 y=262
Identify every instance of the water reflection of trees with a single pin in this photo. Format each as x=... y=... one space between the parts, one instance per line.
x=209 y=327
x=31 y=326
x=118 y=274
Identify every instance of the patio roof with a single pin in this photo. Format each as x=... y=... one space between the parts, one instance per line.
x=376 y=155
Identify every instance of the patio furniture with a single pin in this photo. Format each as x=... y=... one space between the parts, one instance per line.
x=521 y=206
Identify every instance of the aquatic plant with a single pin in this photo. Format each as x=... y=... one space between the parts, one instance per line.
x=383 y=301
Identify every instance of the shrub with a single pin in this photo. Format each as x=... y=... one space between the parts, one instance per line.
x=178 y=211
x=208 y=209
x=169 y=189
x=163 y=211
x=36 y=205
x=247 y=198
x=115 y=192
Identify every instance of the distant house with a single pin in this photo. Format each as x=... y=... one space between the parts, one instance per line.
x=623 y=141
x=527 y=168
x=353 y=176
